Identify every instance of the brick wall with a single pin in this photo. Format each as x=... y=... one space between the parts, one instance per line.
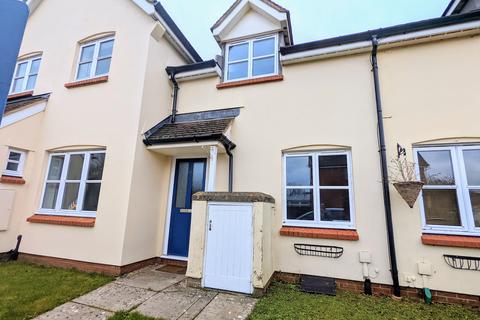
x=387 y=290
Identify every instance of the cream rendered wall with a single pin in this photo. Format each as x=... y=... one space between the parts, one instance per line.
x=329 y=102
x=252 y=23
x=151 y=173
x=20 y=136
x=100 y=115
x=430 y=92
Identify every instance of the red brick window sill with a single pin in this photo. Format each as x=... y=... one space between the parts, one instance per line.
x=451 y=241
x=12 y=180
x=20 y=95
x=247 y=82
x=87 y=82
x=63 y=220
x=316 y=233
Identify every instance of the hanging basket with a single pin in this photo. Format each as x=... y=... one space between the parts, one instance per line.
x=409 y=191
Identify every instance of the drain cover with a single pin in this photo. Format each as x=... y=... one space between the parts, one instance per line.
x=322 y=285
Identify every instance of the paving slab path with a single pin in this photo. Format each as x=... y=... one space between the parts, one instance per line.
x=156 y=294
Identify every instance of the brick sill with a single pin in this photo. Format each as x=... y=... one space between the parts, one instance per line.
x=247 y=82
x=20 y=95
x=63 y=220
x=12 y=180
x=317 y=233
x=451 y=241
x=87 y=82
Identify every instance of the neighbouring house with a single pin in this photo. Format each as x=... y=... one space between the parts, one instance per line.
x=113 y=131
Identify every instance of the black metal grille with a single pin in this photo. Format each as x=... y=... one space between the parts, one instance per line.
x=318 y=250
x=462 y=262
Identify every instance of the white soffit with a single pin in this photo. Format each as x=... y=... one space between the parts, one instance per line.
x=16 y=116
x=240 y=10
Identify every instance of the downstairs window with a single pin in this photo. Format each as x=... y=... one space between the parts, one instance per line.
x=73 y=182
x=450 y=201
x=318 y=190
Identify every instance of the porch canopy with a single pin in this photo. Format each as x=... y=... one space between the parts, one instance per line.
x=196 y=134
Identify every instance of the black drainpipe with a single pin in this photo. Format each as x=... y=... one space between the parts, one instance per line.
x=230 y=169
x=383 y=162
x=175 y=95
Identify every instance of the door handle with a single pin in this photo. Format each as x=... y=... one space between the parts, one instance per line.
x=210 y=225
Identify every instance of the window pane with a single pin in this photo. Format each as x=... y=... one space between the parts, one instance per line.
x=84 y=70
x=299 y=171
x=50 y=197
x=475 y=199
x=70 y=196
x=87 y=53
x=263 y=47
x=31 y=82
x=103 y=66
x=300 y=204
x=238 y=52
x=12 y=166
x=436 y=167
x=237 y=70
x=21 y=70
x=333 y=170
x=334 y=205
x=95 y=167
x=441 y=207
x=106 y=49
x=15 y=156
x=75 y=167
x=90 y=201
x=182 y=181
x=56 y=166
x=263 y=66
x=198 y=177
x=18 y=85
x=35 y=66
x=472 y=166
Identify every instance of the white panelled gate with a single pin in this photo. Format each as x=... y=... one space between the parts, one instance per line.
x=229 y=247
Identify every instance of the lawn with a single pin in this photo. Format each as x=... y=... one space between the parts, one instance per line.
x=28 y=290
x=287 y=302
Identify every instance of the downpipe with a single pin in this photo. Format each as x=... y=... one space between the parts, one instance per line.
x=175 y=96
x=383 y=163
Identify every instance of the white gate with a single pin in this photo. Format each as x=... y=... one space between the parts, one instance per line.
x=229 y=247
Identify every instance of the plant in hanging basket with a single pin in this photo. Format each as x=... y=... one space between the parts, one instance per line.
x=404 y=179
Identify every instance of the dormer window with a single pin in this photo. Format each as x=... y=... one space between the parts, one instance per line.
x=252 y=59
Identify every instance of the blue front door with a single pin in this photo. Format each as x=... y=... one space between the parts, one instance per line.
x=189 y=179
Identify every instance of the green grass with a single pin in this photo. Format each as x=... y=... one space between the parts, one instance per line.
x=129 y=316
x=286 y=302
x=29 y=290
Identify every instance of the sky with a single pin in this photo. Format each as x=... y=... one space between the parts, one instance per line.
x=311 y=19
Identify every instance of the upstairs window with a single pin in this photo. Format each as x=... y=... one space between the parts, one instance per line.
x=318 y=190
x=252 y=59
x=450 y=199
x=15 y=163
x=95 y=58
x=73 y=182
x=25 y=76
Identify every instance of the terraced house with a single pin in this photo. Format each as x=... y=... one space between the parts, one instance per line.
x=113 y=130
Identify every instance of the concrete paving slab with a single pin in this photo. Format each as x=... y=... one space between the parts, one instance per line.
x=151 y=279
x=75 y=311
x=228 y=307
x=115 y=297
x=178 y=302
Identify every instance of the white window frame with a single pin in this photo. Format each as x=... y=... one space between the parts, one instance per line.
x=317 y=223
x=27 y=75
x=250 y=58
x=95 y=59
x=21 y=163
x=58 y=211
x=461 y=187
